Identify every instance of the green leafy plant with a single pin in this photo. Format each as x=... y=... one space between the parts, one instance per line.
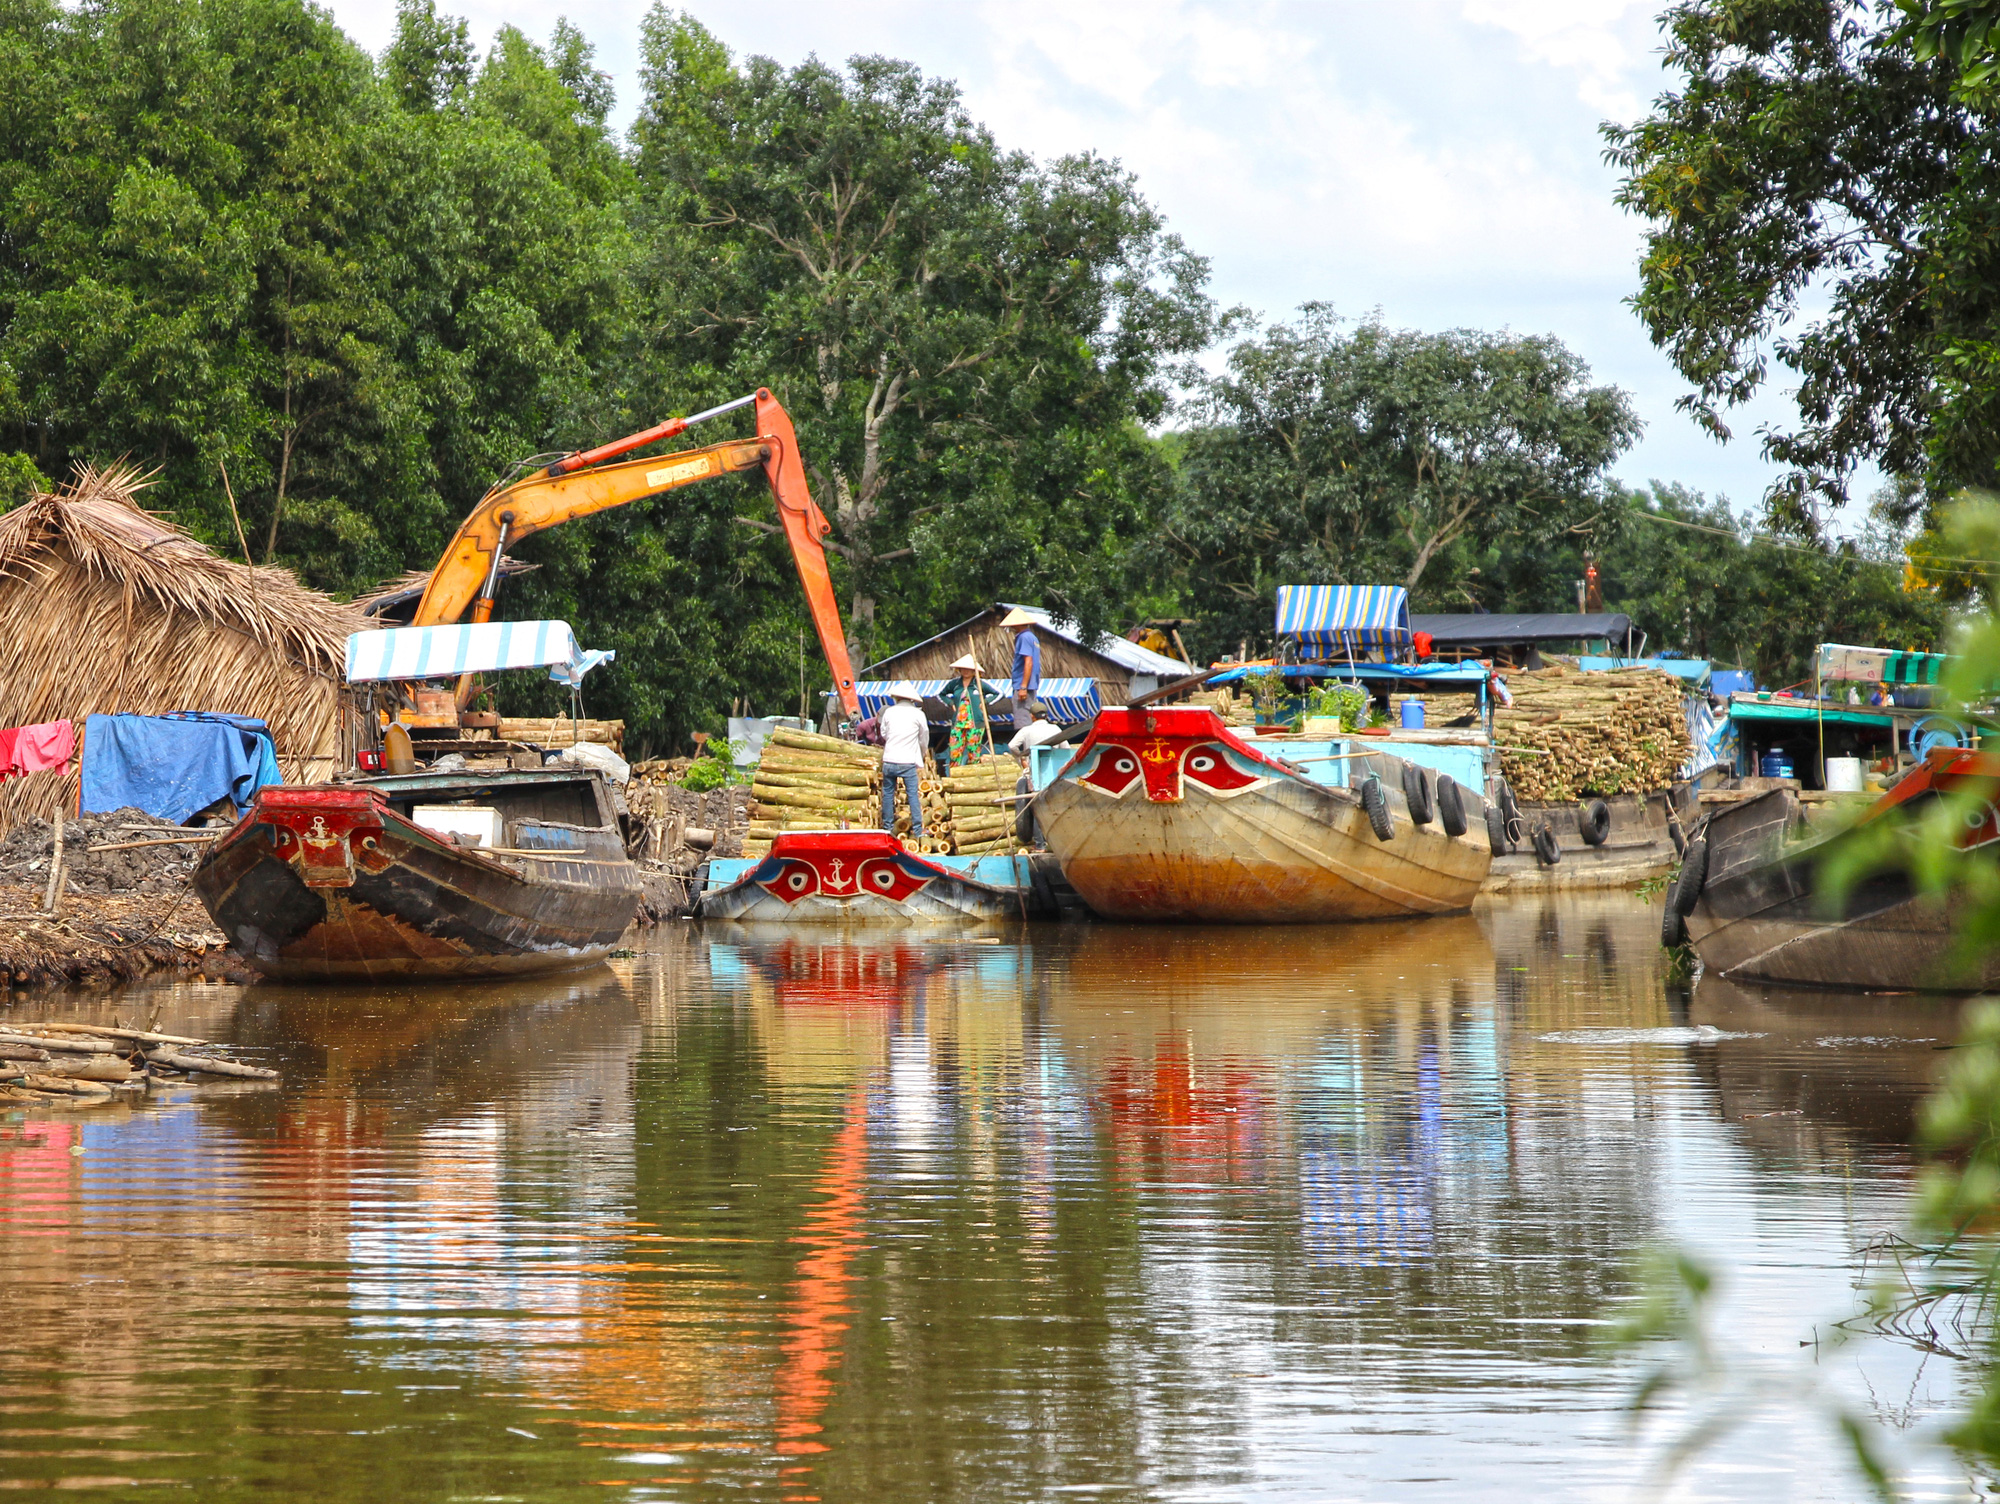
x=1348 y=701
x=716 y=769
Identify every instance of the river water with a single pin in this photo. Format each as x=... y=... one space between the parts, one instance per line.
x=1118 y=1213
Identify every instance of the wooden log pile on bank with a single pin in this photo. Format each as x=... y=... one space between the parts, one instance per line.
x=1570 y=734
x=85 y=1065
x=556 y=731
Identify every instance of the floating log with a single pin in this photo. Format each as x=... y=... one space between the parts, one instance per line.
x=90 y=1068
x=174 y=1060
x=22 y=1052
x=144 y=1036
x=73 y=1046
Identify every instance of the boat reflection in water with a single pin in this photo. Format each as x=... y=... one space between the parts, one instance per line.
x=1146 y=1212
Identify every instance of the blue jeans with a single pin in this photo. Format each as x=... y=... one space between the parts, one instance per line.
x=906 y=773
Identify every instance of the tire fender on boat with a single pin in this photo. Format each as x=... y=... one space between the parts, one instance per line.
x=1547 y=847
x=1510 y=812
x=1377 y=804
x=1451 y=806
x=1693 y=877
x=1496 y=831
x=1673 y=929
x=1593 y=821
x=1417 y=793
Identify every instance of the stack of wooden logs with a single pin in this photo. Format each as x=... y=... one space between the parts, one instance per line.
x=83 y=1064
x=973 y=822
x=1570 y=734
x=555 y=731
x=805 y=781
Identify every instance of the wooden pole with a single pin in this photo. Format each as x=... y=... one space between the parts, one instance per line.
x=54 y=893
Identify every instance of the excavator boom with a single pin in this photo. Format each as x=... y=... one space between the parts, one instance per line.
x=577 y=486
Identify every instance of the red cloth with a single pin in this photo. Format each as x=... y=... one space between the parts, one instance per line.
x=45 y=748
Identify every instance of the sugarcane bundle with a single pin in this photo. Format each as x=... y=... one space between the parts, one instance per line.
x=1569 y=735
x=805 y=781
x=975 y=819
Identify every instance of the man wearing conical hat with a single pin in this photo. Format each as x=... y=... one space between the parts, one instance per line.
x=1027 y=665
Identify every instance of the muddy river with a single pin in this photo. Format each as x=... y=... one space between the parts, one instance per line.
x=1118 y=1213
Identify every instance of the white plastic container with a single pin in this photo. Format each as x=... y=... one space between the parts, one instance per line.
x=483 y=825
x=1843 y=775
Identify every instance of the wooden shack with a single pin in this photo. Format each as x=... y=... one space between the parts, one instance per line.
x=108 y=608
x=1122 y=669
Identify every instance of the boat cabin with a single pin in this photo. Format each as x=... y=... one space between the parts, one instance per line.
x=564 y=809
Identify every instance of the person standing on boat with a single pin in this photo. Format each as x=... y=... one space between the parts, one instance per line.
x=1027 y=665
x=971 y=731
x=906 y=735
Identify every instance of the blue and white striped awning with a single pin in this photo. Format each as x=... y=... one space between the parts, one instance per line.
x=1069 y=700
x=1345 y=616
x=467 y=648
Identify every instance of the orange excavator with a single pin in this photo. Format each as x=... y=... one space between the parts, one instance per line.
x=579 y=484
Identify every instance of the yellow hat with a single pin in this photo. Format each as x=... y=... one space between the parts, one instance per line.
x=1019 y=618
x=968 y=661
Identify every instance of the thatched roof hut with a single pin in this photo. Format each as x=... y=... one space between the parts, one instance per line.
x=108 y=608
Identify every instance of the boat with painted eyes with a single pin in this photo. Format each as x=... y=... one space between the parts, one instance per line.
x=866 y=876
x=1165 y=814
x=464 y=874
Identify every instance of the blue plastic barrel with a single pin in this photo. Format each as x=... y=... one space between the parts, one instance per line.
x=1413 y=715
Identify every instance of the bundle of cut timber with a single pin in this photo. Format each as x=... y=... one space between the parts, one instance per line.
x=1440 y=709
x=805 y=781
x=80 y=1065
x=972 y=819
x=560 y=731
x=1571 y=734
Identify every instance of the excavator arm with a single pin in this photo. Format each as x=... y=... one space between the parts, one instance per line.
x=578 y=485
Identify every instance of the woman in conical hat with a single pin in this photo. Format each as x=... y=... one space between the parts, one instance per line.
x=971 y=737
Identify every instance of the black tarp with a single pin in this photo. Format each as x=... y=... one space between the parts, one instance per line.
x=1457 y=631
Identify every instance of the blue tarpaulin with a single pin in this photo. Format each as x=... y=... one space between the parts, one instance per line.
x=173 y=765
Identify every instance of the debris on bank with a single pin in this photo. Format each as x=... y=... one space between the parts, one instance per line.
x=85 y=1065
x=123 y=908
x=681 y=828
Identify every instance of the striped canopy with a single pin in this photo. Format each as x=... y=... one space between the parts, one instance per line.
x=1069 y=700
x=469 y=648
x=1329 y=617
x=1878 y=665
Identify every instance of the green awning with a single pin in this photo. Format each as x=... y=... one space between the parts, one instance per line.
x=1839 y=662
x=1775 y=710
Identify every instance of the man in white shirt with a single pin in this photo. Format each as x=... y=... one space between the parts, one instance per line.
x=1037 y=733
x=906 y=738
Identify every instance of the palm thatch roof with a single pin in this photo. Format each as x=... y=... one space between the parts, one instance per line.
x=109 y=608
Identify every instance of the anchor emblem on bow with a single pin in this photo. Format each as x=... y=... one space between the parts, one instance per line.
x=1157 y=751
x=837 y=881
x=319 y=835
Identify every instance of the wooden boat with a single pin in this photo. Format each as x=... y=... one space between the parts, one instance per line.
x=1165 y=814
x=342 y=881
x=849 y=876
x=1759 y=909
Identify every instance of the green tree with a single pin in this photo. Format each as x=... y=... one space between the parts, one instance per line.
x=1698 y=584
x=965 y=338
x=1820 y=194
x=1368 y=455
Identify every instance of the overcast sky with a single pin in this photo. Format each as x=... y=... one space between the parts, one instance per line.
x=1439 y=161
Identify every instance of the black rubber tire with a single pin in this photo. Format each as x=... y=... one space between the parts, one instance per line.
x=1593 y=821
x=1024 y=816
x=1377 y=804
x=1496 y=831
x=1547 y=847
x=1694 y=874
x=1417 y=794
x=1673 y=929
x=1451 y=806
x=1510 y=811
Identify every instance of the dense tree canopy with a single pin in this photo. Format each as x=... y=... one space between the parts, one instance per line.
x=1820 y=193
x=1367 y=455
x=966 y=338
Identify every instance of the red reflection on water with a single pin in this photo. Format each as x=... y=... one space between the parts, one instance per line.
x=819 y=1296
x=38 y=1177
